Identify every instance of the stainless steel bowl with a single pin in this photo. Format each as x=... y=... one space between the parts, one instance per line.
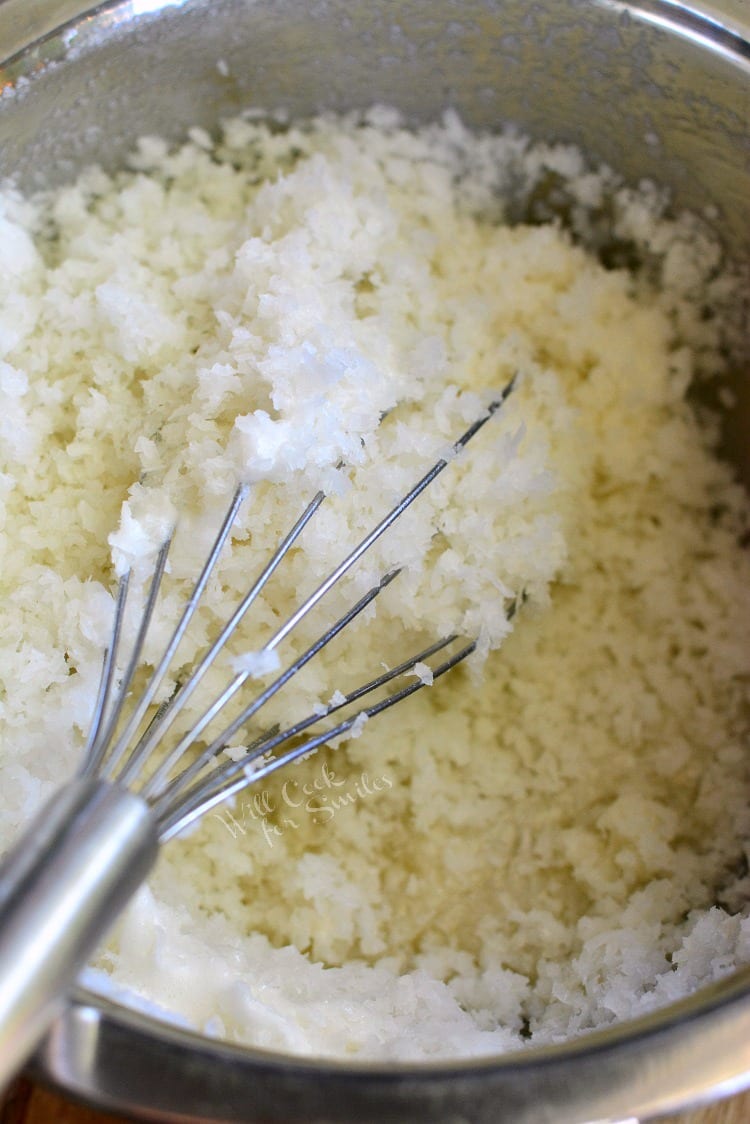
x=654 y=88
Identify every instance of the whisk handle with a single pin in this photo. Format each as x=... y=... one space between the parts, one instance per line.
x=61 y=887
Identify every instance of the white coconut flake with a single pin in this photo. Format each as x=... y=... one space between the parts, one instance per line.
x=355 y=730
x=235 y=752
x=424 y=673
x=256 y=664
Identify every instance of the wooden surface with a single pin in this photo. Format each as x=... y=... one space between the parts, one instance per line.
x=26 y=1104
x=736 y=1110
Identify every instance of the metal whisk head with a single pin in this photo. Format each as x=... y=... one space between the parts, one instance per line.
x=180 y=789
x=94 y=843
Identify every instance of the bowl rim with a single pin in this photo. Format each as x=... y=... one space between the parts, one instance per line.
x=115 y=1057
x=700 y=1027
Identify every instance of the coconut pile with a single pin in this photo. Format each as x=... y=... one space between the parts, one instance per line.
x=552 y=837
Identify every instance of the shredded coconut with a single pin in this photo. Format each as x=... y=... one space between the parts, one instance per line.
x=551 y=839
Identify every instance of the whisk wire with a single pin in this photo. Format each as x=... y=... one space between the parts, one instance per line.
x=395 y=513
x=126 y=737
x=135 y=657
x=161 y=787
x=157 y=730
x=96 y=746
x=267 y=743
x=231 y=779
x=325 y=586
x=156 y=782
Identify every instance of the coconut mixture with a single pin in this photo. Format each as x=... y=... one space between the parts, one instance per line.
x=551 y=838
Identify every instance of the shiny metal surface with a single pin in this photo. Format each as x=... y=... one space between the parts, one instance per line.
x=648 y=87
x=688 y=1055
x=656 y=88
x=61 y=887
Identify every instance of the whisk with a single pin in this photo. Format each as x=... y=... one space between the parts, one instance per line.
x=94 y=843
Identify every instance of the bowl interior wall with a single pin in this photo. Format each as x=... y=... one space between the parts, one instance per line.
x=650 y=91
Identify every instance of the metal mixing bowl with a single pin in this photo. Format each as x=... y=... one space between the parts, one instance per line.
x=652 y=87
